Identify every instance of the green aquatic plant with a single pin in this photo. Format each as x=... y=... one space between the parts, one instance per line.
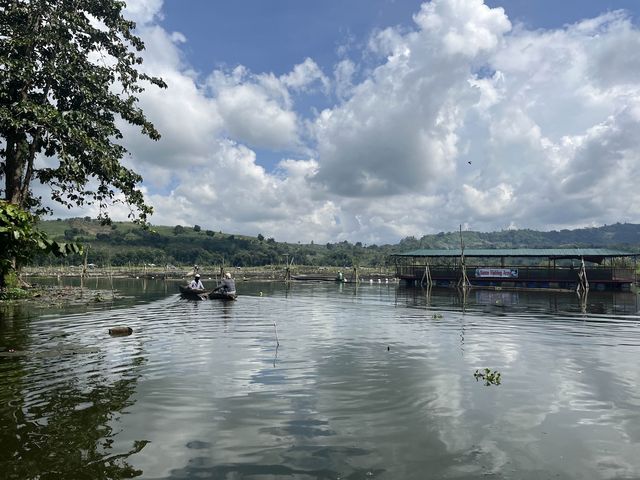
x=13 y=293
x=489 y=377
x=437 y=316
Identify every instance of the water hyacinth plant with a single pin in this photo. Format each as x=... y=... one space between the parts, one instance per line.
x=489 y=377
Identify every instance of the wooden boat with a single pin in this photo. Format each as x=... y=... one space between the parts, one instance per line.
x=201 y=294
x=193 y=293
x=223 y=296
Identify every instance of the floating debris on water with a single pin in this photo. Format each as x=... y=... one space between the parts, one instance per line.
x=489 y=377
x=120 y=331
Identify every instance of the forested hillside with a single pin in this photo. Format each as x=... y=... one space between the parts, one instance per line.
x=125 y=243
x=624 y=235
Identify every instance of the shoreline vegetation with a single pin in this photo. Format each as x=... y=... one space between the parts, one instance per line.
x=45 y=296
x=126 y=250
x=57 y=296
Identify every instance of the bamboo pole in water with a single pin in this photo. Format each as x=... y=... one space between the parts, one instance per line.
x=276 y=329
x=111 y=280
x=84 y=271
x=464 y=280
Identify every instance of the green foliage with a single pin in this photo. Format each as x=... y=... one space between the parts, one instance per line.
x=69 y=74
x=178 y=229
x=20 y=240
x=71 y=233
x=489 y=377
x=13 y=293
x=12 y=282
x=197 y=228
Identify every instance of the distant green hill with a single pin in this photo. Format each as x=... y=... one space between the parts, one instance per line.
x=125 y=243
x=624 y=235
x=620 y=236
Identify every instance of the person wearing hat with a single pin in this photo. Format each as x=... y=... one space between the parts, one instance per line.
x=196 y=284
x=227 y=286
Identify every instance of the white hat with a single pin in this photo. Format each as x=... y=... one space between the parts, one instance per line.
x=197 y=275
x=228 y=275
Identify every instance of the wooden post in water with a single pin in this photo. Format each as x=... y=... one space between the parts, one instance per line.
x=111 y=281
x=287 y=274
x=426 y=276
x=583 y=281
x=464 y=280
x=287 y=268
x=84 y=270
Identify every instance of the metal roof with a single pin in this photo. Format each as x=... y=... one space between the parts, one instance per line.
x=589 y=254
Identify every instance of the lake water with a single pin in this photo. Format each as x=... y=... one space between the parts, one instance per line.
x=368 y=382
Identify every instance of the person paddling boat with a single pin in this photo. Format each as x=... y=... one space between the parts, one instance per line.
x=227 y=286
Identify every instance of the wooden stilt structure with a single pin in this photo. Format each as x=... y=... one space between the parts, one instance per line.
x=491 y=269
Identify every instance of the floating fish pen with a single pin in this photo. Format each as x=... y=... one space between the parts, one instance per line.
x=557 y=268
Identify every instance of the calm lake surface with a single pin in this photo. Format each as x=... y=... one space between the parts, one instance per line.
x=368 y=382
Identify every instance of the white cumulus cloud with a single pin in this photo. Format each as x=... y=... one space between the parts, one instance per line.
x=459 y=117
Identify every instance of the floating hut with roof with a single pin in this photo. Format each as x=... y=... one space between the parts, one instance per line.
x=556 y=268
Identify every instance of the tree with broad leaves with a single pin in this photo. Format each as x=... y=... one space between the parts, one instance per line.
x=69 y=75
x=20 y=240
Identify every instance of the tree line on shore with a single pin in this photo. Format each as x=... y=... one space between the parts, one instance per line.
x=123 y=243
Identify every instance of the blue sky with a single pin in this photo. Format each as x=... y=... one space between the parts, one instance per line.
x=371 y=120
x=272 y=35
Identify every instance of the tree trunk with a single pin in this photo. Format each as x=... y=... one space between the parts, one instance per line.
x=14 y=169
